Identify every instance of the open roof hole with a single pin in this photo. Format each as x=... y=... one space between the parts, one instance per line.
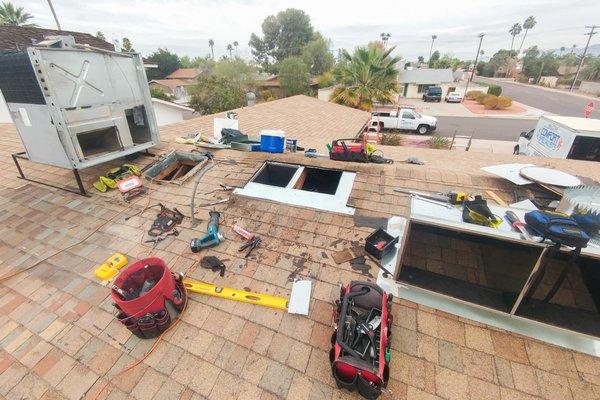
x=176 y=168
x=319 y=180
x=275 y=174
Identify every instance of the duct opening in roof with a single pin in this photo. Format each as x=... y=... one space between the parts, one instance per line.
x=319 y=180
x=99 y=141
x=275 y=174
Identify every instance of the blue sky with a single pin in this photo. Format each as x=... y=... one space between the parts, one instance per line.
x=184 y=26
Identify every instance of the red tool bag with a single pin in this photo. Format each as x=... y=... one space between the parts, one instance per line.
x=360 y=352
x=148 y=296
x=349 y=150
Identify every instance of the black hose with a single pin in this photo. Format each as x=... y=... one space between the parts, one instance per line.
x=200 y=175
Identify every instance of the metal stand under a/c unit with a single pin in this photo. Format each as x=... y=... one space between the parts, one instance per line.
x=22 y=155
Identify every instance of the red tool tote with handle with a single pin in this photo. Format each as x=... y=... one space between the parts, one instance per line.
x=361 y=343
x=148 y=296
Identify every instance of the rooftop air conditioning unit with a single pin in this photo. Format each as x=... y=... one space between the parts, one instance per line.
x=76 y=106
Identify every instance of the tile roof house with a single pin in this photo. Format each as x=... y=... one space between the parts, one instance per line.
x=60 y=339
x=414 y=82
x=184 y=73
x=18 y=38
x=272 y=84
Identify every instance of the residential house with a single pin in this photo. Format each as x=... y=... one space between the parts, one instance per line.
x=414 y=82
x=18 y=38
x=272 y=84
x=454 y=335
x=186 y=74
x=177 y=89
x=169 y=113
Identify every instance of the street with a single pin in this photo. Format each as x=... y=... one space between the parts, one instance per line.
x=552 y=102
x=484 y=127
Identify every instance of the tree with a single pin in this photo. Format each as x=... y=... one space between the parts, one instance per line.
x=592 y=70
x=514 y=31
x=126 y=46
x=158 y=93
x=433 y=59
x=527 y=25
x=421 y=59
x=433 y=37
x=166 y=62
x=236 y=44
x=385 y=37
x=284 y=35
x=562 y=50
x=536 y=63
x=100 y=36
x=573 y=47
x=294 y=76
x=317 y=56
x=215 y=94
x=230 y=50
x=211 y=44
x=237 y=71
x=14 y=16
x=366 y=76
x=447 y=61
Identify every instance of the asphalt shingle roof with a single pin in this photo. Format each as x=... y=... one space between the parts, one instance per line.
x=13 y=38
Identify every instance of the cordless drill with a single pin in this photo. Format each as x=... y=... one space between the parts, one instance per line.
x=212 y=237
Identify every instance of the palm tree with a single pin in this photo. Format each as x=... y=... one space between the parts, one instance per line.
x=385 y=37
x=236 y=44
x=562 y=50
x=433 y=37
x=368 y=75
x=230 y=49
x=573 y=48
x=11 y=16
x=211 y=44
x=514 y=31
x=527 y=25
x=100 y=36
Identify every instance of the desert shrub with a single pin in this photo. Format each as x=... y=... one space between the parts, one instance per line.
x=266 y=95
x=504 y=102
x=495 y=90
x=490 y=102
x=481 y=97
x=439 y=142
x=473 y=94
x=391 y=139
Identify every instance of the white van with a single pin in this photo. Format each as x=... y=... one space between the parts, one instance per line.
x=562 y=137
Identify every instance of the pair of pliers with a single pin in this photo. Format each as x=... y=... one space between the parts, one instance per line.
x=251 y=245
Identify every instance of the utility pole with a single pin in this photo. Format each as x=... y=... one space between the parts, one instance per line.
x=589 y=34
x=54 y=14
x=480 y=36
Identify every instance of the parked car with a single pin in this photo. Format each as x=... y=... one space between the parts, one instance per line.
x=562 y=137
x=405 y=119
x=454 y=97
x=433 y=93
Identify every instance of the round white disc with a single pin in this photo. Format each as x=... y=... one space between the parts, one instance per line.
x=549 y=176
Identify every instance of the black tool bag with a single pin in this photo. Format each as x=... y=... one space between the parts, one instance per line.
x=557 y=227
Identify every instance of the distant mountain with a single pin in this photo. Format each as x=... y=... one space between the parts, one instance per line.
x=593 y=50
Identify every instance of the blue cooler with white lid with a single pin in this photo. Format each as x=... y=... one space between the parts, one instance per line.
x=272 y=141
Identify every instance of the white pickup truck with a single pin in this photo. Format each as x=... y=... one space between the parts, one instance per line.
x=405 y=119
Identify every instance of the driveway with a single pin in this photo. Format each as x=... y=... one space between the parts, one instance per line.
x=551 y=101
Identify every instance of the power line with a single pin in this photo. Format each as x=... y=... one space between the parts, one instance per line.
x=589 y=34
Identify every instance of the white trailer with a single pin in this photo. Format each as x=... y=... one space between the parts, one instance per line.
x=562 y=137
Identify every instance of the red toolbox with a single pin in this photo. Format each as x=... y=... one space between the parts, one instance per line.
x=360 y=352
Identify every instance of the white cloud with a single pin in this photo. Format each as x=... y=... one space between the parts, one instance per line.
x=184 y=26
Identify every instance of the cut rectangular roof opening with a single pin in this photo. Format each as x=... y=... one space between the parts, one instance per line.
x=275 y=174
x=177 y=167
x=313 y=187
x=319 y=180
